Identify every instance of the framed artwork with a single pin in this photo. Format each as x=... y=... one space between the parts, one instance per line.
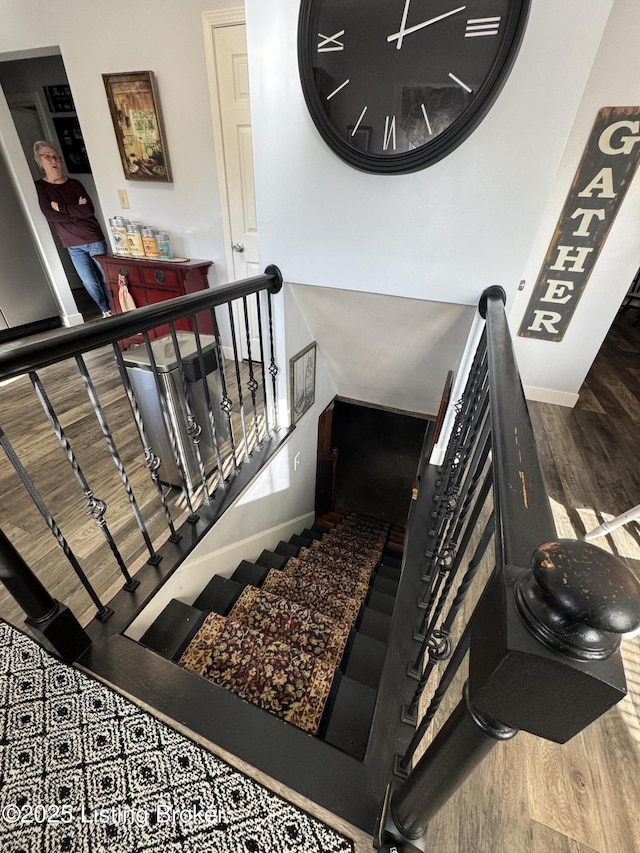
x=302 y=368
x=72 y=144
x=135 y=112
x=59 y=98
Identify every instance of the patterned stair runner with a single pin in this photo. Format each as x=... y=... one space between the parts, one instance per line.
x=281 y=644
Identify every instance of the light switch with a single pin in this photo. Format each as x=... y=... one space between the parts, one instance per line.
x=124 y=199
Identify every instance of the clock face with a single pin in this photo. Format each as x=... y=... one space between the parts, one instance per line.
x=394 y=85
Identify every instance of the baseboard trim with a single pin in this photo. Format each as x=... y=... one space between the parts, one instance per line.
x=551 y=395
x=14 y=333
x=73 y=320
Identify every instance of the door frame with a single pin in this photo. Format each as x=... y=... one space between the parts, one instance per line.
x=210 y=21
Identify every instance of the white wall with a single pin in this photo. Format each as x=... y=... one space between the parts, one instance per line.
x=387 y=350
x=443 y=233
x=554 y=372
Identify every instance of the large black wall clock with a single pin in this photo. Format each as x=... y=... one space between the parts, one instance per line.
x=394 y=85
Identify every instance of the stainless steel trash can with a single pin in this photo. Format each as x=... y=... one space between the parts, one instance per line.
x=140 y=374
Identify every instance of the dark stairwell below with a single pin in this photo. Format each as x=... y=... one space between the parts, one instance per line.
x=378 y=452
x=346 y=765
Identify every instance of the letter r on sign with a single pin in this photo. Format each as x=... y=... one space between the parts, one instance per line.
x=543 y=321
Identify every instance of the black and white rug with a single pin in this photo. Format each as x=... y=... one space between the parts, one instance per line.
x=84 y=770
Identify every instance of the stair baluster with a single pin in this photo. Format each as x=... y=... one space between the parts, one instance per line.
x=95 y=507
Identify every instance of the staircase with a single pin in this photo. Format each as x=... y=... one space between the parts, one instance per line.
x=300 y=631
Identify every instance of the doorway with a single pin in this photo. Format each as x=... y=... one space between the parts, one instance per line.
x=41 y=106
x=228 y=73
x=377 y=453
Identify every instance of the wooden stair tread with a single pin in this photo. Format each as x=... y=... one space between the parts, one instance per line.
x=310 y=533
x=350 y=717
x=219 y=595
x=249 y=573
x=389 y=586
x=386 y=571
x=287 y=549
x=272 y=560
x=301 y=541
x=380 y=601
x=169 y=632
x=366 y=659
x=374 y=624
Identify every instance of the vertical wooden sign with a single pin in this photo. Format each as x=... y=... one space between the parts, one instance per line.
x=607 y=168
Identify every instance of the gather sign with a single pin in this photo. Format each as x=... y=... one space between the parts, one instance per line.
x=607 y=168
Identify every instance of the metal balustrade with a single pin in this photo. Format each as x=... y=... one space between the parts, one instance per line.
x=196 y=431
x=543 y=635
x=541 y=645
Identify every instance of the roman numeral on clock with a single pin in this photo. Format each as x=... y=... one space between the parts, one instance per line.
x=482 y=27
x=330 y=43
x=357 y=124
x=460 y=83
x=389 y=133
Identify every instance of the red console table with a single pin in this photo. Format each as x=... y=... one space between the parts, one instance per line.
x=155 y=280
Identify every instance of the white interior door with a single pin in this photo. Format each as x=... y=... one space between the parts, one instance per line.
x=229 y=82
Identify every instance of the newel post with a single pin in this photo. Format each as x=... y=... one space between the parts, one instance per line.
x=52 y=622
x=544 y=658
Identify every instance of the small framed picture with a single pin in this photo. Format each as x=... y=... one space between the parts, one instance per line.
x=72 y=144
x=59 y=98
x=302 y=369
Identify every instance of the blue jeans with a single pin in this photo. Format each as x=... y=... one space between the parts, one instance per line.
x=90 y=271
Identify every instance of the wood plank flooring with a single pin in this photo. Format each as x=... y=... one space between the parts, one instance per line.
x=27 y=428
x=529 y=796
x=582 y=797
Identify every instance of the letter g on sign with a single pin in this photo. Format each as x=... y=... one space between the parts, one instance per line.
x=606 y=141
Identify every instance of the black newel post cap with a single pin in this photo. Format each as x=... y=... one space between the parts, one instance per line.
x=496 y=292
x=578 y=599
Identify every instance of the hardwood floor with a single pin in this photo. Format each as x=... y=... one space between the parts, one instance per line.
x=582 y=797
x=26 y=426
x=529 y=796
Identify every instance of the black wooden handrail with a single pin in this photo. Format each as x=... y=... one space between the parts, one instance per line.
x=544 y=638
x=523 y=514
x=22 y=357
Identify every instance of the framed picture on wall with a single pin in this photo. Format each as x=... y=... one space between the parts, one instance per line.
x=72 y=144
x=135 y=112
x=59 y=98
x=302 y=370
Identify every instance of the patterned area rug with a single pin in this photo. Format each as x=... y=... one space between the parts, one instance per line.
x=84 y=770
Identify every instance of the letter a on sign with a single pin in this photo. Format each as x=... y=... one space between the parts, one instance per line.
x=608 y=165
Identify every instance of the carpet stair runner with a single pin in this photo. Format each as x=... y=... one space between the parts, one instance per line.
x=301 y=631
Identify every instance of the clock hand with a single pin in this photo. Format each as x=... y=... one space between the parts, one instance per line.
x=402 y=23
x=406 y=31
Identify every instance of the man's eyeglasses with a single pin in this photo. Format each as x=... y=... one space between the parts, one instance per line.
x=51 y=157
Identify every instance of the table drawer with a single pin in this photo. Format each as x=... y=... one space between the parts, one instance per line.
x=159 y=277
x=113 y=270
